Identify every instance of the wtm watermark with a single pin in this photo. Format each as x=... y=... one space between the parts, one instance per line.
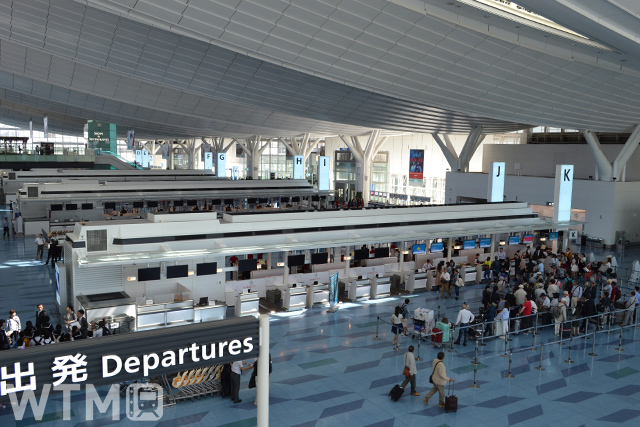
x=143 y=401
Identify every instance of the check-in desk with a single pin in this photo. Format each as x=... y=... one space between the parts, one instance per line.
x=294 y=298
x=317 y=294
x=380 y=287
x=206 y=313
x=359 y=288
x=470 y=273
x=419 y=280
x=165 y=314
x=112 y=305
x=247 y=303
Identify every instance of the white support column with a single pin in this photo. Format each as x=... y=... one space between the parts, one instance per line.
x=268 y=260
x=254 y=148
x=493 y=245
x=449 y=248
x=604 y=171
x=364 y=157
x=625 y=154
x=285 y=274
x=262 y=381
x=448 y=151
x=403 y=245
x=470 y=146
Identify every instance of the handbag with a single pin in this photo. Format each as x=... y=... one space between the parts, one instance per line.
x=434 y=371
x=406 y=372
x=460 y=282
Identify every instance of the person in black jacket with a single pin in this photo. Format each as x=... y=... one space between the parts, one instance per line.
x=5 y=344
x=588 y=309
x=486 y=296
x=84 y=325
x=510 y=298
x=40 y=314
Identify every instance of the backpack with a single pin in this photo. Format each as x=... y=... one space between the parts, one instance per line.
x=405 y=311
x=556 y=311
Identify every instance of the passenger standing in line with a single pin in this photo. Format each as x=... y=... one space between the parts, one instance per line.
x=40 y=247
x=559 y=315
x=503 y=318
x=237 y=368
x=486 y=268
x=405 y=316
x=464 y=318
x=410 y=362
x=396 y=323
x=629 y=306
x=14 y=327
x=40 y=314
x=445 y=278
x=439 y=379
x=456 y=282
x=5 y=225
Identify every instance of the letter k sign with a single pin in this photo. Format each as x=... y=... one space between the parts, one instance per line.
x=566 y=175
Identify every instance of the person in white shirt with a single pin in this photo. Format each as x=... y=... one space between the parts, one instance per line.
x=396 y=323
x=546 y=303
x=565 y=299
x=552 y=289
x=427 y=266
x=445 y=279
x=410 y=362
x=40 y=244
x=237 y=368
x=464 y=318
x=14 y=327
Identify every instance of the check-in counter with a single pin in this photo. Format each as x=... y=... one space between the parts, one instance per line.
x=113 y=305
x=165 y=314
x=317 y=294
x=294 y=298
x=470 y=273
x=213 y=311
x=420 y=280
x=359 y=288
x=247 y=303
x=380 y=287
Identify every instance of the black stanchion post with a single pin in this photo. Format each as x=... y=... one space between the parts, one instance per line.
x=533 y=338
x=506 y=343
x=509 y=374
x=475 y=360
x=540 y=368
x=475 y=373
x=619 y=348
x=419 y=359
x=438 y=312
x=569 y=361
x=482 y=344
x=609 y=322
x=593 y=348
x=535 y=326
x=377 y=338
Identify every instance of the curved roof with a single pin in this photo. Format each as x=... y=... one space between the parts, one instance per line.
x=281 y=68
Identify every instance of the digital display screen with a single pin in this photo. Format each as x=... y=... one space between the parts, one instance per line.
x=146 y=274
x=110 y=205
x=56 y=207
x=216 y=202
x=284 y=200
x=178 y=203
x=527 y=238
x=437 y=247
x=71 y=207
x=247 y=264
x=174 y=271
x=553 y=236
x=152 y=204
x=485 y=243
x=252 y=200
x=192 y=203
x=295 y=260
x=87 y=206
x=138 y=205
x=361 y=254
x=206 y=268
x=319 y=258
x=382 y=253
x=295 y=199
x=469 y=244
x=419 y=249
x=514 y=240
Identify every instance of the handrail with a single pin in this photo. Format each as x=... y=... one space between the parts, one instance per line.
x=119 y=157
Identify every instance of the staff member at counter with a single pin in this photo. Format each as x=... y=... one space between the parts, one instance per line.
x=237 y=368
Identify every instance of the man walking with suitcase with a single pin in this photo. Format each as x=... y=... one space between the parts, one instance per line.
x=438 y=379
x=410 y=362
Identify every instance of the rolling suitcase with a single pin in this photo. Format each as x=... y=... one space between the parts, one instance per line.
x=396 y=392
x=451 y=401
x=437 y=337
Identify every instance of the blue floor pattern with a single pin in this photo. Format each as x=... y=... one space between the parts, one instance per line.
x=329 y=370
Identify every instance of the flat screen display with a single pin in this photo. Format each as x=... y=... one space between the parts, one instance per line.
x=56 y=207
x=207 y=268
x=216 y=202
x=87 y=206
x=252 y=200
x=315 y=198
x=178 y=203
x=71 y=207
x=247 y=264
x=228 y=201
x=319 y=258
x=295 y=260
x=138 y=205
x=146 y=274
x=295 y=199
x=174 y=271
x=527 y=238
x=110 y=205
x=152 y=204
x=485 y=243
x=361 y=254
x=419 y=249
x=284 y=199
x=192 y=203
x=514 y=240
x=437 y=247
x=382 y=253
x=263 y=200
x=469 y=244
x=553 y=236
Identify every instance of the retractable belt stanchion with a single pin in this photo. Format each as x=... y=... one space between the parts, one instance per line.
x=475 y=373
x=569 y=361
x=619 y=348
x=506 y=343
x=540 y=368
x=535 y=325
x=475 y=360
x=593 y=348
x=533 y=336
x=377 y=338
x=586 y=329
x=484 y=331
x=438 y=312
x=452 y=333
x=419 y=359
x=509 y=374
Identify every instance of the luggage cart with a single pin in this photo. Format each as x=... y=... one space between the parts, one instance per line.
x=420 y=329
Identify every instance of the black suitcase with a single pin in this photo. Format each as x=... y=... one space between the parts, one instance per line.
x=396 y=392
x=451 y=401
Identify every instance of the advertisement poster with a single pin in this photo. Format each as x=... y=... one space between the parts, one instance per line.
x=416 y=164
x=333 y=290
x=131 y=140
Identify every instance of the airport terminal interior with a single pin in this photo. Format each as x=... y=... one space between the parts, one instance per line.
x=323 y=167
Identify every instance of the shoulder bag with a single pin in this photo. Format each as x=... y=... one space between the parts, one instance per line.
x=406 y=372
x=434 y=371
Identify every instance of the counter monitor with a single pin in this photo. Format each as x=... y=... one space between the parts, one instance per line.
x=87 y=206
x=206 y=268
x=514 y=240
x=247 y=265
x=485 y=243
x=419 y=249
x=71 y=207
x=319 y=258
x=469 y=244
x=382 y=252
x=146 y=274
x=174 y=271
x=295 y=260
x=361 y=254
x=437 y=247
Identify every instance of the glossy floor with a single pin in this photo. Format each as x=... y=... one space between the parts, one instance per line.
x=329 y=370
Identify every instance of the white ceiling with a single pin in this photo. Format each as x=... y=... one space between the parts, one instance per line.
x=241 y=67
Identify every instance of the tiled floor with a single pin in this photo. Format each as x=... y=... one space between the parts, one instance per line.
x=329 y=371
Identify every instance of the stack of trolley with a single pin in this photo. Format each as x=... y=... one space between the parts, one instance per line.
x=423 y=322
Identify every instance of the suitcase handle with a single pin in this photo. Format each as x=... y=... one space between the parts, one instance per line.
x=452 y=388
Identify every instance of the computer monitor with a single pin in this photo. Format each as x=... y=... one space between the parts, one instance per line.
x=247 y=264
x=147 y=274
x=178 y=203
x=87 y=206
x=138 y=205
x=419 y=249
x=361 y=254
x=252 y=200
x=71 y=207
x=206 y=268
x=110 y=205
x=174 y=271
x=469 y=244
x=382 y=252
x=514 y=240
x=485 y=243
x=527 y=238
x=284 y=199
x=152 y=204
x=228 y=201
x=437 y=247
x=203 y=301
x=295 y=260
x=192 y=203
x=216 y=202
x=295 y=199
x=319 y=258
x=56 y=207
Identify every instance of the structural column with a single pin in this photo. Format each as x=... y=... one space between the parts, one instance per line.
x=262 y=382
x=364 y=159
x=254 y=148
x=606 y=171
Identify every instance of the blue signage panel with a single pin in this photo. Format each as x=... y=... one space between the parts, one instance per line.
x=485 y=243
x=514 y=240
x=437 y=247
